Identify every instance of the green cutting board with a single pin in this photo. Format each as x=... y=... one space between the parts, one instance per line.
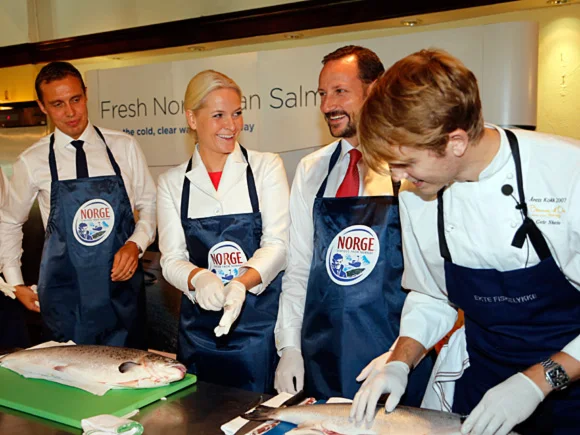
x=70 y=405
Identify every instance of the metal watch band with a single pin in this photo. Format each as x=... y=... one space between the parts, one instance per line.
x=555 y=374
x=549 y=363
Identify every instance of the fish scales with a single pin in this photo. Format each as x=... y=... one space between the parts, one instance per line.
x=121 y=367
x=334 y=419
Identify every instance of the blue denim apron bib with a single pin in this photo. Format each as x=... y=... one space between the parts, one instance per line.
x=513 y=320
x=349 y=322
x=78 y=300
x=246 y=357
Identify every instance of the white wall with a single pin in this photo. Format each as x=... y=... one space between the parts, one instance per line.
x=55 y=19
x=13 y=22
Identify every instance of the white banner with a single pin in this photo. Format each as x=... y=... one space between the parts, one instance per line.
x=281 y=105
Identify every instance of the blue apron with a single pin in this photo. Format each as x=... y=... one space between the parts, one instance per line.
x=520 y=318
x=348 y=321
x=77 y=298
x=246 y=357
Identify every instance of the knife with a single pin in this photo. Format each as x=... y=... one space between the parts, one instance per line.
x=251 y=425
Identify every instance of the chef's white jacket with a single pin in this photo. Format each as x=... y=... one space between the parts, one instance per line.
x=31 y=178
x=310 y=174
x=232 y=197
x=480 y=223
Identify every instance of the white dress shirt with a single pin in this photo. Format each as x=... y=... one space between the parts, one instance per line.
x=310 y=174
x=231 y=197
x=480 y=223
x=31 y=178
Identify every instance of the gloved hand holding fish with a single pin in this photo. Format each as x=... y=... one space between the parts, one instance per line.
x=334 y=419
x=392 y=379
x=96 y=369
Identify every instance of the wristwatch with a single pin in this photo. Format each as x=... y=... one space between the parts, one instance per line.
x=555 y=374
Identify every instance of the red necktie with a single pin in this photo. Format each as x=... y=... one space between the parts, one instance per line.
x=350 y=184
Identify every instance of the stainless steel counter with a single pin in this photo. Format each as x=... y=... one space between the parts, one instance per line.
x=198 y=410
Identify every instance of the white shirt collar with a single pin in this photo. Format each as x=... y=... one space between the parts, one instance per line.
x=502 y=157
x=236 y=156
x=345 y=148
x=89 y=136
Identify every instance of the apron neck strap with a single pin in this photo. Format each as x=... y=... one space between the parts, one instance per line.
x=52 y=158
x=528 y=227
x=109 y=153
x=332 y=164
x=251 y=183
x=249 y=178
x=443 y=248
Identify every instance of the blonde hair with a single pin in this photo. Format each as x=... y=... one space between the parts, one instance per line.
x=417 y=103
x=202 y=84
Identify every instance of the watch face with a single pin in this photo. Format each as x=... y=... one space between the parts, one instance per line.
x=558 y=377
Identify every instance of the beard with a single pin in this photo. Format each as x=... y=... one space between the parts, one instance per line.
x=347 y=131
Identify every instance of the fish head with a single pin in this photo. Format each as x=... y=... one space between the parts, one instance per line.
x=163 y=368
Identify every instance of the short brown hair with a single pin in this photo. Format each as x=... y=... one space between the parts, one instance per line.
x=56 y=71
x=369 y=65
x=418 y=102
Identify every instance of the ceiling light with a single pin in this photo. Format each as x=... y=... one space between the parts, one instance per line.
x=558 y=2
x=411 y=23
x=294 y=36
x=6 y=108
x=197 y=48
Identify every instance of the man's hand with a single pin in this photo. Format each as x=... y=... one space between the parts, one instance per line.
x=375 y=366
x=504 y=406
x=392 y=378
x=27 y=297
x=290 y=367
x=125 y=262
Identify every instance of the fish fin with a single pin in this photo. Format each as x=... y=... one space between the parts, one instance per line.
x=261 y=413
x=127 y=365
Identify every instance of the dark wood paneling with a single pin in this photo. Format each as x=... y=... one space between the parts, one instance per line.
x=290 y=17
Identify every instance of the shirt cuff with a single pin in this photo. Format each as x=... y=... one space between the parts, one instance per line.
x=257 y=289
x=289 y=337
x=13 y=275
x=573 y=348
x=141 y=240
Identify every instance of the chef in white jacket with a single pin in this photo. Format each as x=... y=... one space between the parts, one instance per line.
x=491 y=226
x=223 y=233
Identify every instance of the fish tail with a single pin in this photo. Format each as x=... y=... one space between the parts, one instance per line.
x=261 y=413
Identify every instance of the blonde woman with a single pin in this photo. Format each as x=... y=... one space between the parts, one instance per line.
x=223 y=224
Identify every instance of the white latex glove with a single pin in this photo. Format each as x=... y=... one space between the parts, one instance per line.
x=209 y=290
x=375 y=366
x=290 y=367
x=7 y=289
x=235 y=296
x=392 y=378
x=504 y=406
